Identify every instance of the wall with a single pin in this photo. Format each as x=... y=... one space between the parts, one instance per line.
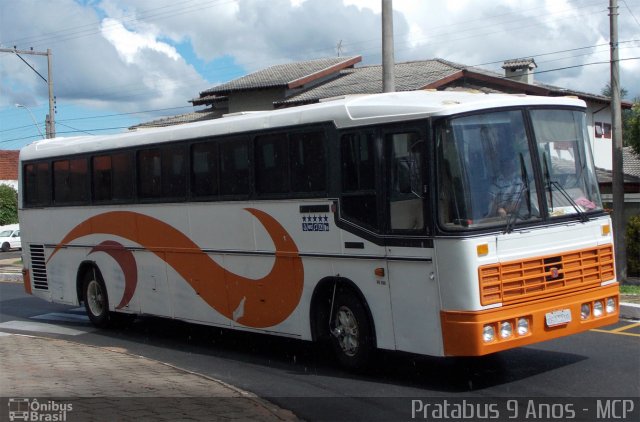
x=600 y=146
x=255 y=100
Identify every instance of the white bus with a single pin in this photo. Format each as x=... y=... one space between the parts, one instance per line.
x=438 y=223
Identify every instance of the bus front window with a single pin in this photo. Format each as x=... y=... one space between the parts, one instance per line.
x=570 y=180
x=485 y=172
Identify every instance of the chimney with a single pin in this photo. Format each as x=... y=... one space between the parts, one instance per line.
x=520 y=70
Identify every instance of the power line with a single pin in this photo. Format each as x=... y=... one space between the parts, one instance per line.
x=182 y=107
x=630 y=12
x=155 y=12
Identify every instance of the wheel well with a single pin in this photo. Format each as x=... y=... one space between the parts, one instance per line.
x=82 y=270
x=321 y=305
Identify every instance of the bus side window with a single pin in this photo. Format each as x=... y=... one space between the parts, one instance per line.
x=101 y=178
x=308 y=162
x=204 y=169
x=149 y=173
x=70 y=181
x=122 y=176
x=271 y=164
x=235 y=174
x=358 y=163
x=37 y=190
x=174 y=171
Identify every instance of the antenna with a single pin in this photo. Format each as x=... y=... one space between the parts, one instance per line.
x=339 y=47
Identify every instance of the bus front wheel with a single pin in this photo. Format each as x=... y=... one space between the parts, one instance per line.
x=95 y=298
x=351 y=333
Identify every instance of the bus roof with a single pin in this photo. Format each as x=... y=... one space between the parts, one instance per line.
x=344 y=112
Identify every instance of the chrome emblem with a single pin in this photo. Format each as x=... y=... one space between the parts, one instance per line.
x=554 y=272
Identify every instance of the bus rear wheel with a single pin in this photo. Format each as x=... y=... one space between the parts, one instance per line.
x=96 y=300
x=351 y=331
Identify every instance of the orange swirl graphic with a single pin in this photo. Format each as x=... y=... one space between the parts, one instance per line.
x=257 y=303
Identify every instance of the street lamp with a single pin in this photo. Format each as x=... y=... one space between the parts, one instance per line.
x=32 y=118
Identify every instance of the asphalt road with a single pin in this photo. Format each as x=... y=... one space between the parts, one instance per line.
x=297 y=376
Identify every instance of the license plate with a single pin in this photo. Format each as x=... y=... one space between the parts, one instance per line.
x=558 y=317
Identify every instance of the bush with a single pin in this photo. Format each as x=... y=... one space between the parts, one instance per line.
x=8 y=205
x=632 y=237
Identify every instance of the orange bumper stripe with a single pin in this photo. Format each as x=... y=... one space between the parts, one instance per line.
x=462 y=331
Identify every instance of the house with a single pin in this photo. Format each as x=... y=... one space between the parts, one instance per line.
x=9 y=168
x=631 y=177
x=307 y=82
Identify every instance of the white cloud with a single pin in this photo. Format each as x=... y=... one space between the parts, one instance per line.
x=129 y=43
x=128 y=53
x=96 y=59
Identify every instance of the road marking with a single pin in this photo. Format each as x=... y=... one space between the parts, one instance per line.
x=626 y=327
x=620 y=333
x=41 y=327
x=64 y=317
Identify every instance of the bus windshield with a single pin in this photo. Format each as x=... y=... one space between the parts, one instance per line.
x=486 y=171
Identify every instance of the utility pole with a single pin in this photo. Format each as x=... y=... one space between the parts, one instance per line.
x=616 y=147
x=52 y=110
x=388 y=61
x=50 y=121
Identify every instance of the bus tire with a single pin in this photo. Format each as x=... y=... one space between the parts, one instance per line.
x=96 y=300
x=6 y=247
x=351 y=332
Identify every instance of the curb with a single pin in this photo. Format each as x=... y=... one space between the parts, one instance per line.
x=14 y=277
x=629 y=310
x=224 y=395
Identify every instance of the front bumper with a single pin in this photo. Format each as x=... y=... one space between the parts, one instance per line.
x=462 y=331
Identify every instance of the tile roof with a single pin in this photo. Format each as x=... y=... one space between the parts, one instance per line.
x=630 y=162
x=289 y=75
x=409 y=76
x=518 y=63
x=9 y=164
x=630 y=168
x=195 y=116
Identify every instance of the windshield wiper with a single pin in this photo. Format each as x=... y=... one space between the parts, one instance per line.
x=583 y=216
x=551 y=183
x=513 y=217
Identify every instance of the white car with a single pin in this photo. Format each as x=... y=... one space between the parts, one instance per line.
x=10 y=237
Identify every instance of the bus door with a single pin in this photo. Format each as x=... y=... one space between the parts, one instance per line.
x=411 y=275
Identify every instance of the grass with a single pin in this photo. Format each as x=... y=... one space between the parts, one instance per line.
x=629 y=289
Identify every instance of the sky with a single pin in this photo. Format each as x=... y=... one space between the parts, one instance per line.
x=117 y=63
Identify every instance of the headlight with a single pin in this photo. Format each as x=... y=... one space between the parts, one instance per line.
x=611 y=305
x=523 y=326
x=597 y=308
x=506 y=330
x=585 y=311
x=488 y=333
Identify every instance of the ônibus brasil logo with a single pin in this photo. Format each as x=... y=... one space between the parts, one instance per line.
x=42 y=411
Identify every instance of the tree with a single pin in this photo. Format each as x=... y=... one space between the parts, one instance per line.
x=606 y=91
x=630 y=120
x=631 y=127
x=8 y=205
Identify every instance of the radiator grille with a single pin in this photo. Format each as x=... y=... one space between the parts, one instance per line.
x=38 y=267
x=518 y=281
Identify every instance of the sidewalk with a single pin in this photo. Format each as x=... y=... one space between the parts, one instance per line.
x=96 y=383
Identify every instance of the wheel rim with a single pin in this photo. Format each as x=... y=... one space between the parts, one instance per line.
x=346 y=330
x=95 y=298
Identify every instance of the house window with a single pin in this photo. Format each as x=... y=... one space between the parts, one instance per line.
x=602 y=130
